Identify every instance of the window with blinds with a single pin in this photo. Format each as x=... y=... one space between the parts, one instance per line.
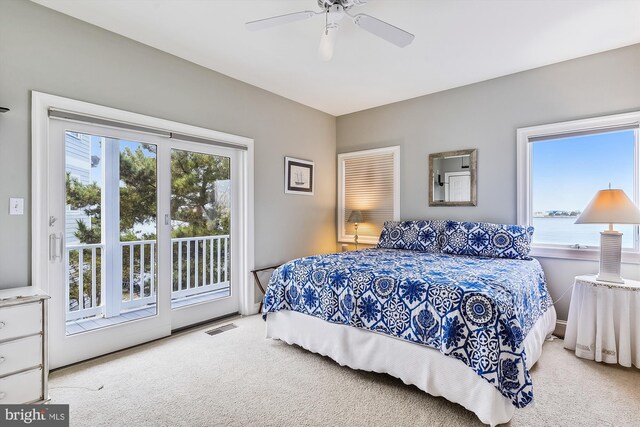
x=369 y=182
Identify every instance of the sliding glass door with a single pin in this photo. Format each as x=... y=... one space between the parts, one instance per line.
x=203 y=193
x=140 y=237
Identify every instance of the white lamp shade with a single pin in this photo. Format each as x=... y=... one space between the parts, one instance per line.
x=610 y=207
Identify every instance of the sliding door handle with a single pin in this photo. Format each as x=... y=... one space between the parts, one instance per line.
x=56 y=246
x=52 y=247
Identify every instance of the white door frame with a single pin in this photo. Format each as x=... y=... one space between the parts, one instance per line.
x=42 y=103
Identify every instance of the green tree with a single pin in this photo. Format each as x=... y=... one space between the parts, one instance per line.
x=200 y=206
x=137 y=197
x=138 y=191
x=197 y=182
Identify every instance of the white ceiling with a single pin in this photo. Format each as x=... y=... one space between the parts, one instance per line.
x=457 y=42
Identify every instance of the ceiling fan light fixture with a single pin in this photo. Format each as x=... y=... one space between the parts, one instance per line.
x=327 y=42
x=334 y=13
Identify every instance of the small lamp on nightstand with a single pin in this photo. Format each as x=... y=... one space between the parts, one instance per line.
x=610 y=207
x=356 y=217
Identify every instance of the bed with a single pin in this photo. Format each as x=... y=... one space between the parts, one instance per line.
x=431 y=306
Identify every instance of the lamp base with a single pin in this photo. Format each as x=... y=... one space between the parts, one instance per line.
x=610 y=256
x=355 y=239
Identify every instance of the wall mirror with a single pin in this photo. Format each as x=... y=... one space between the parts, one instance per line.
x=453 y=178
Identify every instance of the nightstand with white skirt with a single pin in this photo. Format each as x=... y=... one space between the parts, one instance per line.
x=604 y=321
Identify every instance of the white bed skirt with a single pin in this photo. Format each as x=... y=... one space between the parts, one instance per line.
x=415 y=364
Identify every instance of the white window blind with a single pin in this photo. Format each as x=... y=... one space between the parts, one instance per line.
x=368 y=182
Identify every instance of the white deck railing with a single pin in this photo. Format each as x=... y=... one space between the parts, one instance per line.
x=200 y=264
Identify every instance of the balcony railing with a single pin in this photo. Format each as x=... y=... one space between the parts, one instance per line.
x=199 y=265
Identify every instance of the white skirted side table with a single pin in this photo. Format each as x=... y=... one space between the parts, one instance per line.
x=604 y=321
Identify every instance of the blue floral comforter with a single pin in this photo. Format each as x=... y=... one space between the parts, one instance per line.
x=478 y=310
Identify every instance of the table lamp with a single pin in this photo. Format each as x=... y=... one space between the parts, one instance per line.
x=356 y=217
x=610 y=207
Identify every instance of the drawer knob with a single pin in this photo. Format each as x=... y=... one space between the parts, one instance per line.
x=2 y=325
x=2 y=395
x=2 y=359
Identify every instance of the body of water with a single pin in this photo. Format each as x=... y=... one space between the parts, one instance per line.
x=564 y=231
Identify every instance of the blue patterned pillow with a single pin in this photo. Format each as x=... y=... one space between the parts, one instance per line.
x=424 y=236
x=486 y=239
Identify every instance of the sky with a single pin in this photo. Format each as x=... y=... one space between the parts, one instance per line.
x=568 y=172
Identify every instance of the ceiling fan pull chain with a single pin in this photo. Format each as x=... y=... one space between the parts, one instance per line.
x=326 y=22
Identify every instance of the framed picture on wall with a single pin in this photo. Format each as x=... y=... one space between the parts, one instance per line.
x=298 y=176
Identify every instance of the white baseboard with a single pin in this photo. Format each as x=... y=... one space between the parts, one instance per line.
x=561 y=327
x=256 y=308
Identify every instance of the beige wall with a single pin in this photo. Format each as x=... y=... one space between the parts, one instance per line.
x=485 y=116
x=46 y=51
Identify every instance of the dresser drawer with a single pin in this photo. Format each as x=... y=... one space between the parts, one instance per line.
x=20 y=320
x=23 y=353
x=25 y=387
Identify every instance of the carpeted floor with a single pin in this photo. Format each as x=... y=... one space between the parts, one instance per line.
x=239 y=378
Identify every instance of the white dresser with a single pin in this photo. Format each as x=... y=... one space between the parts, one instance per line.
x=23 y=346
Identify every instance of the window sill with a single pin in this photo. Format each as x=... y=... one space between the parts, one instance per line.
x=628 y=257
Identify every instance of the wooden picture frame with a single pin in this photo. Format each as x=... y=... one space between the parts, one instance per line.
x=298 y=176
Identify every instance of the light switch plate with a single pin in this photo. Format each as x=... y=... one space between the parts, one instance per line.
x=16 y=206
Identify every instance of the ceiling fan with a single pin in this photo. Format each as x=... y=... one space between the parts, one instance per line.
x=334 y=11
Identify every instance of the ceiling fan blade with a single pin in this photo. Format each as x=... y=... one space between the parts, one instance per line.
x=261 y=24
x=383 y=30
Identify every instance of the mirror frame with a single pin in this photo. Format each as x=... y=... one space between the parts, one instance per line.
x=473 y=170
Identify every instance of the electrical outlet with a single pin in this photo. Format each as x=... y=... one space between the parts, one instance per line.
x=16 y=206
